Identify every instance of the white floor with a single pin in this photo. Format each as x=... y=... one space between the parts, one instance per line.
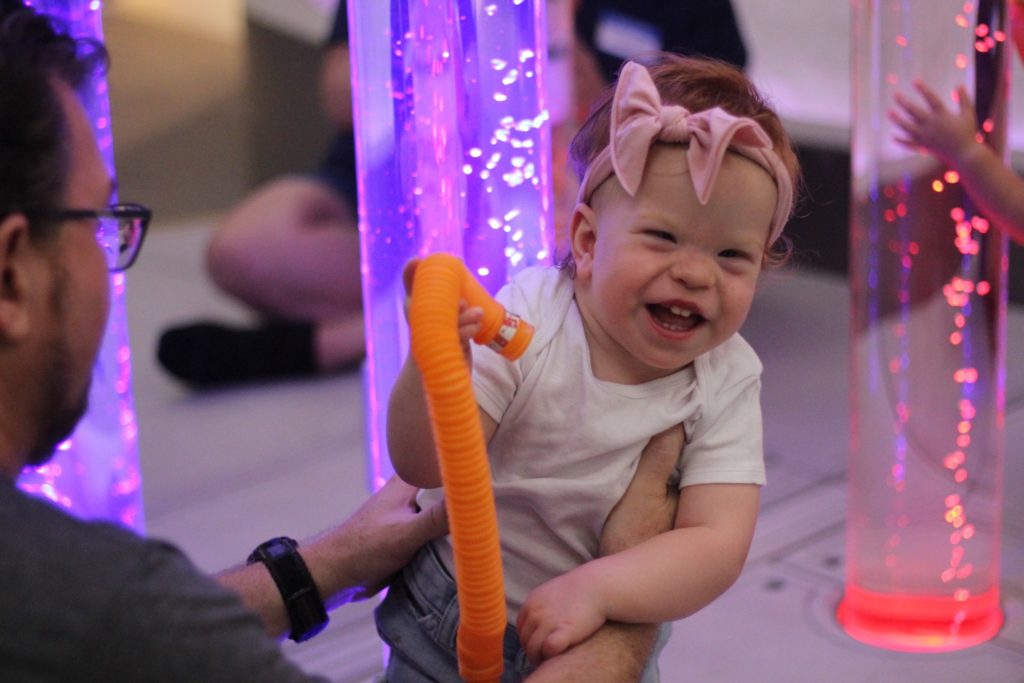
x=225 y=470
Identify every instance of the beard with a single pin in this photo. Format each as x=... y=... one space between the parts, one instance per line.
x=59 y=411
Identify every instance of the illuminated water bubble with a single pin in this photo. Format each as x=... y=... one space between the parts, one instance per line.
x=526 y=55
x=961 y=21
x=954 y=460
x=498 y=64
x=901 y=41
x=500 y=97
x=483 y=271
x=510 y=77
x=513 y=178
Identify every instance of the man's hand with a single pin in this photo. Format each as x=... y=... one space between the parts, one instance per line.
x=381 y=537
x=619 y=652
x=648 y=507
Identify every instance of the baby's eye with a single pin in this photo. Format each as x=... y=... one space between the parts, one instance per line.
x=734 y=254
x=660 y=234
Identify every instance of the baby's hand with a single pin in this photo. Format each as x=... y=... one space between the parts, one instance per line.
x=470 y=320
x=557 y=615
x=946 y=134
x=470 y=317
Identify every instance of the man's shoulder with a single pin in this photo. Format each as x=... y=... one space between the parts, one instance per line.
x=37 y=533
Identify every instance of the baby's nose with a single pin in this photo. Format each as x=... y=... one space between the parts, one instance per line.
x=694 y=268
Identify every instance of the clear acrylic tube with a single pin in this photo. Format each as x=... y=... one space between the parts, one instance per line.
x=452 y=142
x=927 y=366
x=95 y=473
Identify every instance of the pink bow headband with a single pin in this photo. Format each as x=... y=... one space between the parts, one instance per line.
x=638 y=120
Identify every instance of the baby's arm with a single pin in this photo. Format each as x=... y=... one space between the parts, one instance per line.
x=668 y=577
x=409 y=431
x=952 y=138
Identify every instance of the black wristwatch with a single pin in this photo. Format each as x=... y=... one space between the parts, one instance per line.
x=301 y=598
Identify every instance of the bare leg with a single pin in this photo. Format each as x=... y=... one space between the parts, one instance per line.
x=290 y=250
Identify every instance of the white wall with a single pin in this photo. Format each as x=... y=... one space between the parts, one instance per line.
x=220 y=19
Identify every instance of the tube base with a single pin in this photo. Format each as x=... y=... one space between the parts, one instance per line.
x=918 y=623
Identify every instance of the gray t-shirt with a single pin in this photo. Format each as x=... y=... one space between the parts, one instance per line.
x=89 y=601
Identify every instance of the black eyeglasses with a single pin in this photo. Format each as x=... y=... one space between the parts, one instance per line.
x=120 y=231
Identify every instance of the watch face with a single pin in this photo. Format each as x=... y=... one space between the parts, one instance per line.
x=278 y=550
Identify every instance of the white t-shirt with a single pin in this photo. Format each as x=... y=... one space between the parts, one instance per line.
x=567 y=443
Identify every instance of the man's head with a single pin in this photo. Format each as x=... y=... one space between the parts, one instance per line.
x=53 y=273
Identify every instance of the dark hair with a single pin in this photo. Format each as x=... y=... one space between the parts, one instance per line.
x=35 y=51
x=698 y=84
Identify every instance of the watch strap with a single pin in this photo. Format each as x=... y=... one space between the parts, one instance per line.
x=302 y=600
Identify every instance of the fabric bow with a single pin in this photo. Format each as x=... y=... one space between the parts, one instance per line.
x=638 y=120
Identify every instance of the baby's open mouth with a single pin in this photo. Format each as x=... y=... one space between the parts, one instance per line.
x=675 y=318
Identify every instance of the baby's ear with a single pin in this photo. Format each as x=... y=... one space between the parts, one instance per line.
x=583 y=238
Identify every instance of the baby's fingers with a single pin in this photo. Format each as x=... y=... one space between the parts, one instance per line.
x=930 y=97
x=470 y=320
x=964 y=98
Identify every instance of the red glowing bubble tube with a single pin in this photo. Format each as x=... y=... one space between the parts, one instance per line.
x=928 y=281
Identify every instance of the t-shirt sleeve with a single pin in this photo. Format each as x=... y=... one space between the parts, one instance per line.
x=495 y=379
x=169 y=622
x=725 y=445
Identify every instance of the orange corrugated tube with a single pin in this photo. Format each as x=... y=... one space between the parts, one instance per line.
x=440 y=281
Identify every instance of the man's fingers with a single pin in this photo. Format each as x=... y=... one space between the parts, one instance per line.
x=660 y=456
x=435 y=520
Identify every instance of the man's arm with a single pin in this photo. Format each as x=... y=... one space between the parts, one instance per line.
x=616 y=653
x=352 y=561
x=619 y=652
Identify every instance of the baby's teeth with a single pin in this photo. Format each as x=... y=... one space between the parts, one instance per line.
x=686 y=313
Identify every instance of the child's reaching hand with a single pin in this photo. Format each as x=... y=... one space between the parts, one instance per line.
x=949 y=136
x=557 y=615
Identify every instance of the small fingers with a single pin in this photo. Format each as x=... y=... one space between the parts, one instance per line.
x=902 y=122
x=964 y=99
x=933 y=101
x=557 y=642
x=408 y=274
x=909 y=109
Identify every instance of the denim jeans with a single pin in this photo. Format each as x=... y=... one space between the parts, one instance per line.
x=419 y=620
